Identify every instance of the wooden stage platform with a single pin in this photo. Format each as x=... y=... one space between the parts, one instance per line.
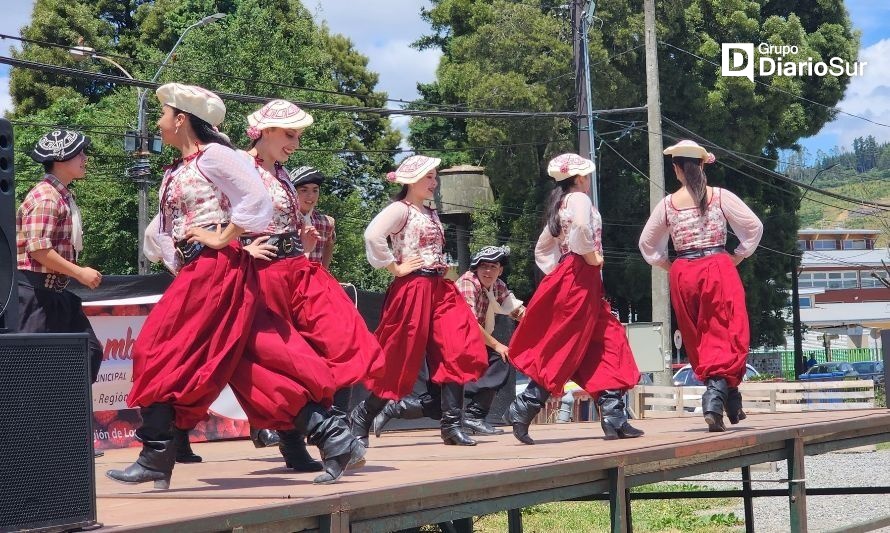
x=412 y=479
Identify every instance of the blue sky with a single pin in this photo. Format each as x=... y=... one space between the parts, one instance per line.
x=383 y=33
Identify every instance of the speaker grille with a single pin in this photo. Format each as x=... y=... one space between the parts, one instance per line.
x=47 y=477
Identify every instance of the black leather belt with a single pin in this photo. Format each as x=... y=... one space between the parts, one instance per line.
x=430 y=272
x=52 y=281
x=286 y=244
x=697 y=253
x=189 y=251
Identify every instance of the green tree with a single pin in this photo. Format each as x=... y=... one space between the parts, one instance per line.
x=517 y=55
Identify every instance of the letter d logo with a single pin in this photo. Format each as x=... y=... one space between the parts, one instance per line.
x=737 y=59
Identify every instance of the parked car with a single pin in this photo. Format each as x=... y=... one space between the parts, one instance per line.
x=829 y=371
x=873 y=370
x=685 y=377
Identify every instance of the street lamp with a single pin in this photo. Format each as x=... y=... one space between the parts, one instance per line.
x=140 y=170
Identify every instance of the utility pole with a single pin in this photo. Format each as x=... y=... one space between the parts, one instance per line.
x=661 y=306
x=141 y=172
x=582 y=13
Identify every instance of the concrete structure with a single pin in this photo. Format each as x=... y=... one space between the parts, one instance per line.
x=462 y=190
x=842 y=303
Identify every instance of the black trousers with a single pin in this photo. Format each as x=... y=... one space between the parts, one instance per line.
x=494 y=378
x=48 y=311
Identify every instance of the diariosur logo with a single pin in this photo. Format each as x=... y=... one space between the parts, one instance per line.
x=737 y=59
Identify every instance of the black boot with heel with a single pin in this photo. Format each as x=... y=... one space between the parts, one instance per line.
x=734 y=410
x=296 y=456
x=524 y=409
x=452 y=409
x=158 y=455
x=713 y=403
x=613 y=417
x=184 y=453
x=477 y=411
x=339 y=448
x=361 y=418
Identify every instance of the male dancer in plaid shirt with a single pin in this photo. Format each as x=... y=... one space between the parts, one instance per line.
x=307 y=182
x=487 y=295
x=49 y=236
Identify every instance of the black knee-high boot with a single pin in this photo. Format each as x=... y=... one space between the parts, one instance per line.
x=158 y=455
x=477 y=410
x=713 y=401
x=296 y=456
x=264 y=438
x=340 y=408
x=409 y=408
x=339 y=448
x=734 y=410
x=524 y=409
x=362 y=417
x=452 y=409
x=613 y=417
x=184 y=453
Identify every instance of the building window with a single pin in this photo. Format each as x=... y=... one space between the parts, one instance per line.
x=869 y=282
x=805 y=301
x=829 y=280
x=810 y=280
x=823 y=244
x=843 y=280
x=801 y=245
x=857 y=244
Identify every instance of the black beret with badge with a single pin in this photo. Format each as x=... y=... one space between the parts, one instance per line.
x=305 y=176
x=59 y=145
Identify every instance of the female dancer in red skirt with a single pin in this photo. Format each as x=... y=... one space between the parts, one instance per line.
x=196 y=338
x=423 y=313
x=291 y=285
x=569 y=331
x=706 y=291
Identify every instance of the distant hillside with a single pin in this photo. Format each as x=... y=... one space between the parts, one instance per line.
x=873 y=185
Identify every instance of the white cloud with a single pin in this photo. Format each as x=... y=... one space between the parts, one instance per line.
x=385 y=35
x=867 y=96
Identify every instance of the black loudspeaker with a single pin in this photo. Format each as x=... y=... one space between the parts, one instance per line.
x=47 y=469
x=9 y=301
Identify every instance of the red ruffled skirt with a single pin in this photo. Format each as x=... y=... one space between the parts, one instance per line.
x=569 y=333
x=709 y=301
x=323 y=315
x=425 y=316
x=194 y=337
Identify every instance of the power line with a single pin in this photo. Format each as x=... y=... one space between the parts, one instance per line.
x=780 y=177
x=831 y=108
x=245 y=98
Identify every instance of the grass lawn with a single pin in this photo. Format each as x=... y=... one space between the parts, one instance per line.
x=698 y=515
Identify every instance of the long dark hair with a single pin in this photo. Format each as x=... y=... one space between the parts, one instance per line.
x=696 y=181
x=551 y=215
x=401 y=195
x=204 y=131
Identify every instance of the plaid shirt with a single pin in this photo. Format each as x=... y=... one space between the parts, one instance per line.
x=44 y=221
x=471 y=289
x=326 y=233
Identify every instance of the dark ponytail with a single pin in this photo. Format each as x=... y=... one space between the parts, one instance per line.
x=204 y=131
x=401 y=195
x=551 y=215
x=696 y=181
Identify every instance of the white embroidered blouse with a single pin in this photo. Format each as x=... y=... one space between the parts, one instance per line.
x=691 y=230
x=216 y=187
x=582 y=229
x=413 y=231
